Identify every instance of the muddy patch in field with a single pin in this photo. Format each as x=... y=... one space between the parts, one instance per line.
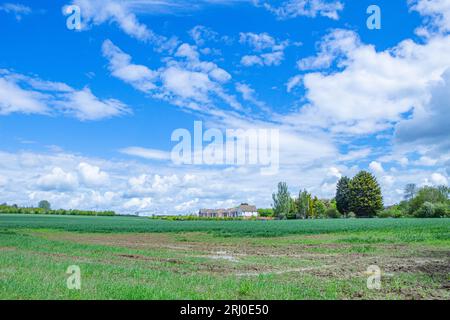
x=429 y=266
x=338 y=260
x=8 y=249
x=222 y=255
x=135 y=241
x=146 y=258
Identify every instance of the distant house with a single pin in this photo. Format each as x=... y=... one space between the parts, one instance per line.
x=243 y=211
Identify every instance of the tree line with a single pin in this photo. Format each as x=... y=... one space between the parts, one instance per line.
x=44 y=207
x=360 y=197
x=421 y=202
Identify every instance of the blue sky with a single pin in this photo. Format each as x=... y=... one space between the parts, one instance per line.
x=86 y=116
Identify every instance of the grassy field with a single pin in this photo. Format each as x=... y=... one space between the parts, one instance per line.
x=139 y=258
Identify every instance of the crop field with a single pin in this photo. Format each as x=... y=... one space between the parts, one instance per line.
x=141 y=258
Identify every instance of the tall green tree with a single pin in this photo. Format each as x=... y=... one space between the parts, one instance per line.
x=320 y=208
x=343 y=196
x=312 y=207
x=282 y=201
x=365 y=195
x=302 y=204
x=44 y=204
x=292 y=209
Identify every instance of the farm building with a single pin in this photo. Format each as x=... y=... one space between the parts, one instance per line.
x=243 y=211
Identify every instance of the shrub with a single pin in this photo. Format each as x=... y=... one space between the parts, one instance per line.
x=426 y=210
x=266 y=213
x=351 y=215
x=428 y=194
x=333 y=213
x=391 y=213
x=442 y=210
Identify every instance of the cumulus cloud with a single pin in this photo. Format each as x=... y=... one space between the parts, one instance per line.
x=202 y=35
x=439 y=179
x=58 y=180
x=268 y=51
x=251 y=60
x=373 y=89
x=138 y=204
x=259 y=42
x=437 y=13
x=92 y=175
x=429 y=125
x=376 y=167
x=337 y=44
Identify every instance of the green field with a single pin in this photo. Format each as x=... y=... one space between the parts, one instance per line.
x=140 y=258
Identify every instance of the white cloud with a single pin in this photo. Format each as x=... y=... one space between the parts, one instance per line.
x=17 y=9
x=84 y=105
x=185 y=80
x=429 y=127
x=403 y=161
x=305 y=8
x=251 y=60
x=439 y=179
x=376 y=167
x=138 y=203
x=258 y=42
x=3 y=181
x=13 y=99
x=387 y=182
x=146 y=185
x=249 y=94
x=425 y=161
x=104 y=11
x=125 y=14
x=150 y=154
x=188 y=206
x=371 y=90
x=339 y=43
x=202 y=35
x=139 y=76
x=187 y=84
x=58 y=180
x=31 y=95
x=293 y=82
x=269 y=51
x=356 y=154
x=92 y=175
x=273 y=58
x=437 y=13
